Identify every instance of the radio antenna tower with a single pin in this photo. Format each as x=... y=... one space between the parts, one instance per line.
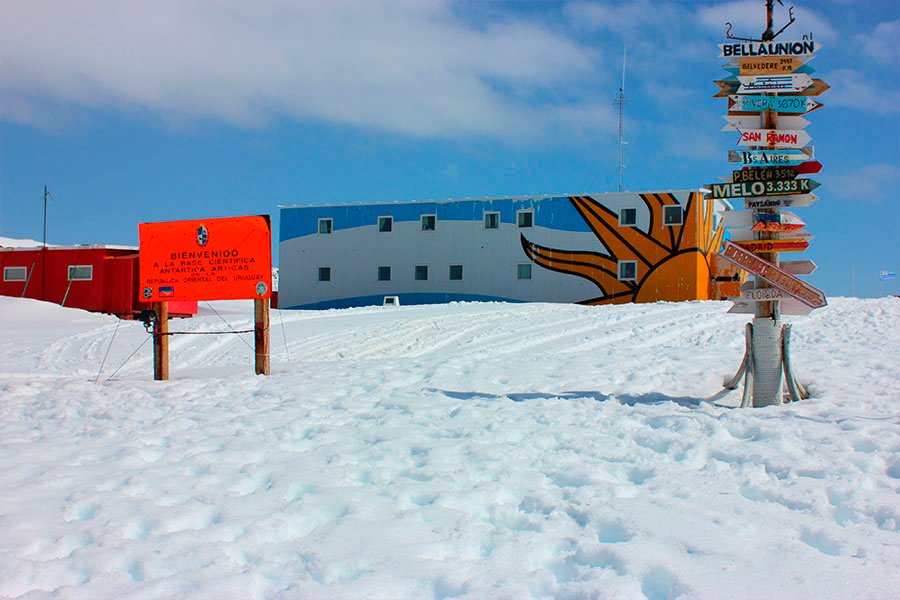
x=620 y=100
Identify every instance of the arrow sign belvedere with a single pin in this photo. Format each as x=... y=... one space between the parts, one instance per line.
x=769 y=49
x=762 y=188
x=774 y=83
x=750 y=174
x=780 y=278
x=742 y=122
x=775 y=138
x=769 y=65
x=766 y=158
x=781 y=104
x=797 y=201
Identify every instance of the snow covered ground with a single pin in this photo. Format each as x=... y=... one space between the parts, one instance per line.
x=455 y=451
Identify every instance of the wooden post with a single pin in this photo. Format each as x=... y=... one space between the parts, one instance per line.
x=261 y=335
x=161 y=342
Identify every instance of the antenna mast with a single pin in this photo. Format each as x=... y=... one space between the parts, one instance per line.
x=620 y=100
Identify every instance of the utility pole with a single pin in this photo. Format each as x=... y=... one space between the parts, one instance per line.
x=44 y=248
x=620 y=100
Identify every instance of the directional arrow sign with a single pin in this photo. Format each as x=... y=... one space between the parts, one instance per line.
x=769 y=49
x=769 y=65
x=812 y=166
x=734 y=70
x=798 y=201
x=770 y=158
x=762 y=294
x=792 y=84
x=761 y=188
x=778 y=222
x=798 y=267
x=775 y=138
x=781 y=104
x=742 y=122
x=775 y=276
x=750 y=174
x=727 y=87
x=817 y=88
x=787 y=306
x=794 y=244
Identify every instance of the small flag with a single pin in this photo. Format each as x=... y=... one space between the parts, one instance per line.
x=888 y=275
x=166 y=291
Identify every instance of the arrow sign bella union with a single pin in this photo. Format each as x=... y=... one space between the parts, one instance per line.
x=770 y=158
x=777 y=138
x=778 y=277
x=769 y=49
x=774 y=83
x=741 y=122
x=797 y=201
x=781 y=104
x=761 y=188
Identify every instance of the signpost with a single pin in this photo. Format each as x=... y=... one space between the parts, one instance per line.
x=774 y=138
x=207 y=259
x=817 y=88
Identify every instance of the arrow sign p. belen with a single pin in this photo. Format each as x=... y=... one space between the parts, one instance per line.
x=791 y=84
x=780 y=104
x=770 y=158
x=750 y=174
x=741 y=122
x=774 y=138
x=780 y=278
x=797 y=201
x=761 y=188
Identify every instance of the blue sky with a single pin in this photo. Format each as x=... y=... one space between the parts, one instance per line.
x=137 y=111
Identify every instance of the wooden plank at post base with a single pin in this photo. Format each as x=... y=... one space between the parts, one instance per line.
x=780 y=278
x=786 y=306
x=797 y=201
x=791 y=244
x=161 y=342
x=261 y=317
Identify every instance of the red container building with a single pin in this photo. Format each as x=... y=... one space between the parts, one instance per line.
x=90 y=277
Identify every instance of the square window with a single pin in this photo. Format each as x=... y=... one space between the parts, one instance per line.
x=627 y=270
x=81 y=272
x=324 y=273
x=421 y=272
x=429 y=222
x=523 y=271
x=456 y=272
x=385 y=224
x=325 y=226
x=628 y=217
x=15 y=273
x=525 y=218
x=492 y=220
x=672 y=215
x=384 y=273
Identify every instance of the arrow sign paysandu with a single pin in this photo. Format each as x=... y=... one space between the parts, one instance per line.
x=780 y=278
x=762 y=188
x=775 y=138
x=774 y=83
x=766 y=158
x=781 y=104
x=798 y=201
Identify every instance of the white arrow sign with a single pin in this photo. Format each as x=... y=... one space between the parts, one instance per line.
x=793 y=83
x=787 y=306
x=747 y=218
x=774 y=138
x=745 y=235
x=797 y=200
x=798 y=267
x=741 y=122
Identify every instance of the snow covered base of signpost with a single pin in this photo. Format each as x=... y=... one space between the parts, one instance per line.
x=766 y=360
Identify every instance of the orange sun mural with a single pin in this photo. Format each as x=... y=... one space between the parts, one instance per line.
x=670 y=262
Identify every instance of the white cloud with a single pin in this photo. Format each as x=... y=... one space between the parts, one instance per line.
x=852 y=89
x=883 y=44
x=870 y=183
x=401 y=65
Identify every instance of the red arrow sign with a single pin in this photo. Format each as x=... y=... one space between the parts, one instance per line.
x=805 y=168
x=775 y=276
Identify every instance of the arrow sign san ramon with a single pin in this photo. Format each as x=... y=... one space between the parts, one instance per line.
x=777 y=277
x=774 y=138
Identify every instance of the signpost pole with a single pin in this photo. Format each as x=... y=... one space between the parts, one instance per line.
x=161 y=342
x=261 y=334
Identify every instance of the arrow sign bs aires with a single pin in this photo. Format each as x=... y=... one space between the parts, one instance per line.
x=777 y=277
x=742 y=122
x=751 y=84
x=796 y=201
x=770 y=158
x=780 y=104
x=761 y=188
x=774 y=138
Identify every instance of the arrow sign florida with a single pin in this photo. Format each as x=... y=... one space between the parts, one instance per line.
x=781 y=104
x=761 y=188
x=741 y=122
x=777 y=138
x=774 y=83
x=780 y=278
x=798 y=201
x=767 y=158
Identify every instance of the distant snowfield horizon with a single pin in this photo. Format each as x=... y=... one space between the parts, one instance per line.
x=469 y=450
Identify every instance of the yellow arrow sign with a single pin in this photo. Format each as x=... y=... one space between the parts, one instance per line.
x=769 y=65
